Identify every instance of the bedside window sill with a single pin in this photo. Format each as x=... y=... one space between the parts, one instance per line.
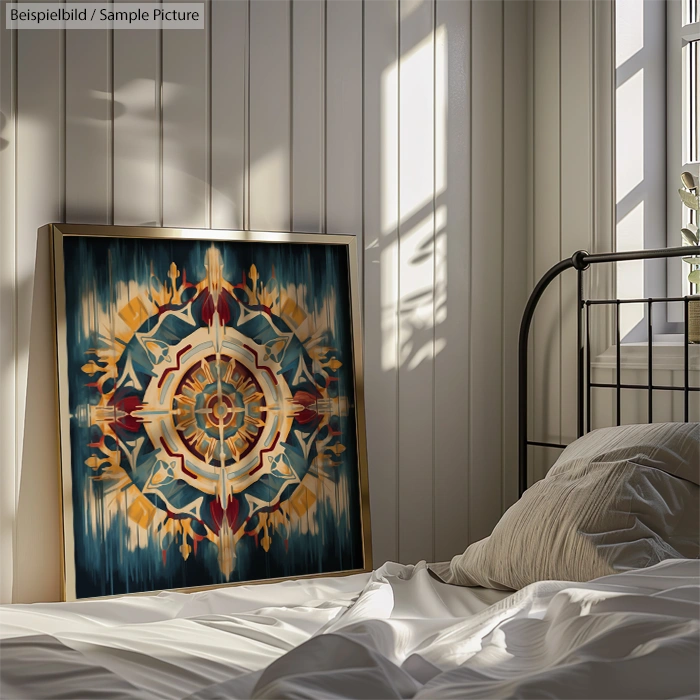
x=668 y=354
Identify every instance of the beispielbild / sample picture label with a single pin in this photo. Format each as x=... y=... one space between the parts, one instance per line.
x=137 y=15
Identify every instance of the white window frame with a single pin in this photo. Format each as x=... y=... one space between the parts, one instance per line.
x=602 y=278
x=651 y=62
x=679 y=32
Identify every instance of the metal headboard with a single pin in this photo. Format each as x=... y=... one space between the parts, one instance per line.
x=581 y=261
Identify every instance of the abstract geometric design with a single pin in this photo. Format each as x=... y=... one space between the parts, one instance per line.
x=212 y=412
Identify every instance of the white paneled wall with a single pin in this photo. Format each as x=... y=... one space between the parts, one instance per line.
x=404 y=122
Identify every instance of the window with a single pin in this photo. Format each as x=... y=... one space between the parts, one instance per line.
x=640 y=159
x=683 y=142
x=690 y=38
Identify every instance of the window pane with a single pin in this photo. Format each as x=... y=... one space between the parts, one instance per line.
x=690 y=11
x=691 y=102
x=691 y=126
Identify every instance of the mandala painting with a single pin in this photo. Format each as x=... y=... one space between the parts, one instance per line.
x=212 y=417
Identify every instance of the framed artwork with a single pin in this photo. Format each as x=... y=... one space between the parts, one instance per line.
x=210 y=408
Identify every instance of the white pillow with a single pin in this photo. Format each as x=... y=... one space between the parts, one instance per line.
x=616 y=499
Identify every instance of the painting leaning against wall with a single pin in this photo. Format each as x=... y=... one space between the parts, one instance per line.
x=210 y=408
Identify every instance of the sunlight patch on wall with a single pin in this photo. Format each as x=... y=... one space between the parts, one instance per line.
x=416 y=309
x=416 y=129
x=629 y=32
x=414 y=174
x=629 y=135
x=630 y=275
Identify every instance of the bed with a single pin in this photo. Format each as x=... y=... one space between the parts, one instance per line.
x=398 y=632
x=409 y=631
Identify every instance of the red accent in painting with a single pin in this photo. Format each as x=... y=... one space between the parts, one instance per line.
x=306 y=416
x=185 y=470
x=222 y=306
x=304 y=398
x=196 y=539
x=208 y=308
x=217 y=514
x=262 y=452
x=185 y=283
x=242 y=284
x=263 y=367
x=172 y=369
x=232 y=512
x=309 y=414
x=177 y=456
x=127 y=421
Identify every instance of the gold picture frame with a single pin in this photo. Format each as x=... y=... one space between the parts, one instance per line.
x=211 y=408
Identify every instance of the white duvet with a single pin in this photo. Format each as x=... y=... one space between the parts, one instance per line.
x=395 y=633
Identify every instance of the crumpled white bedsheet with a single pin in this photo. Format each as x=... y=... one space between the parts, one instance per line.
x=631 y=635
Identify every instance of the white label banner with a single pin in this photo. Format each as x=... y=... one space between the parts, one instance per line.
x=104 y=15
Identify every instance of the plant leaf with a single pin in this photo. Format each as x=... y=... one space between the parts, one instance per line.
x=688 y=180
x=692 y=261
x=694 y=277
x=689 y=236
x=690 y=200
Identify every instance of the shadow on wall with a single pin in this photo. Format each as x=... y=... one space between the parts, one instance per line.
x=3 y=124
x=37 y=546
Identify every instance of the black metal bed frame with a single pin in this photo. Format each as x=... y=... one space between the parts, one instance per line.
x=581 y=261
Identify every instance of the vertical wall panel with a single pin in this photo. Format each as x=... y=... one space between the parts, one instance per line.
x=487 y=296
x=344 y=118
x=40 y=137
x=308 y=112
x=8 y=300
x=270 y=104
x=573 y=201
x=136 y=127
x=416 y=279
x=88 y=126
x=531 y=236
x=452 y=274
x=515 y=209
x=546 y=329
x=577 y=183
x=40 y=198
x=185 y=127
x=381 y=271
x=603 y=102
x=229 y=64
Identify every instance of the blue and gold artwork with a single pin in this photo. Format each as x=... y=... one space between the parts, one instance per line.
x=213 y=424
